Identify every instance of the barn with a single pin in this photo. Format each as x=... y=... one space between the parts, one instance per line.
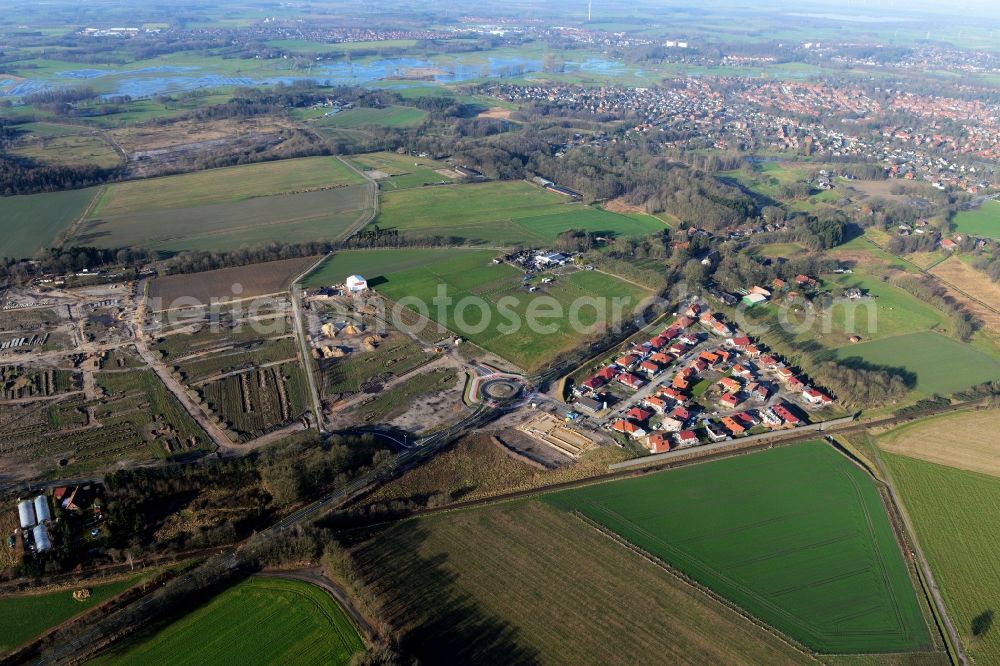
x=355 y=284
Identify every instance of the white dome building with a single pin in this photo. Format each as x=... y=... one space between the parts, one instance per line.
x=356 y=284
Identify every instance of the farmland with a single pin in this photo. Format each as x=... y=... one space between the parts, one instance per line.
x=25 y=616
x=498 y=324
x=966 y=440
x=307 y=216
x=31 y=222
x=390 y=116
x=987 y=293
x=938 y=364
x=227 y=185
x=378 y=263
x=797 y=536
x=253 y=280
x=402 y=171
x=524 y=583
x=951 y=510
x=982 y=221
x=67 y=149
x=258 y=621
x=501 y=212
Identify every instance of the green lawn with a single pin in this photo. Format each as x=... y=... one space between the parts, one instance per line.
x=797 y=536
x=509 y=212
x=954 y=512
x=982 y=221
x=215 y=186
x=25 y=616
x=259 y=621
x=941 y=364
x=390 y=116
x=891 y=311
x=379 y=263
x=490 y=306
x=33 y=221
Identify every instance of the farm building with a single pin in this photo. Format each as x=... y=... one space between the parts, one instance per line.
x=42 y=512
x=26 y=513
x=356 y=284
x=41 y=538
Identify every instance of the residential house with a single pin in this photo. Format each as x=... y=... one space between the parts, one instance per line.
x=814 y=397
x=628 y=428
x=786 y=414
x=733 y=426
x=686 y=438
x=658 y=443
x=730 y=400
x=630 y=380
x=671 y=424
x=658 y=405
x=638 y=414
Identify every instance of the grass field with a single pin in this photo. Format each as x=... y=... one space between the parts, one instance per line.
x=500 y=212
x=892 y=311
x=797 y=536
x=390 y=116
x=954 y=512
x=403 y=171
x=940 y=364
x=67 y=149
x=524 y=583
x=33 y=221
x=25 y=616
x=258 y=621
x=966 y=440
x=976 y=283
x=982 y=221
x=307 y=216
x=215 y=186
x=380 y=263
x=491 y=308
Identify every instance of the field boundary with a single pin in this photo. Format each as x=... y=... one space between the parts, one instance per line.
x=695 y=587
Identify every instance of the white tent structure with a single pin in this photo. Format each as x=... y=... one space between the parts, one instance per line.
x=355 y=284
x=26 y=512
x=41 y=537
x=42 y=512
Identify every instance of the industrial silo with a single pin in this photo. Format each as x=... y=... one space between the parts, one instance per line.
x=41 y=537
x=26 y=511
x=42 y=513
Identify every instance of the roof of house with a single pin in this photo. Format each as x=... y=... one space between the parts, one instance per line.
x=686 y=435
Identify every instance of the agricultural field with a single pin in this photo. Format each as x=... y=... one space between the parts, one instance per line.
x=227 y=283
x=226 y=185
x=253 y=403
x=986 y=305
x=397 y=172
x=374 y=264
x=982 y=221
x=964 y=440
x=500 y=212
x=26 y=616
x=323 y=214
x=499 y=324
x=525 y=583
x=32 y=222
x=797 y=536
x=938 y=364
x=258 y=621
x=390 y=116
x=953 y=512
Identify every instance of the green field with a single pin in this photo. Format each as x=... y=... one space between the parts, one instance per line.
x=511 y=212
x=259 y=621
x=524 y=583
x=33 y=221
x=390 y=116
x=498 y=305
x=953 y=512
x=215 y=186
x=308 y=216
x=982 y=221
x=25 y=616
x=797 y=536
x=380 y=263
x=404 y=171
x=890 y=312
x=940 y=364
